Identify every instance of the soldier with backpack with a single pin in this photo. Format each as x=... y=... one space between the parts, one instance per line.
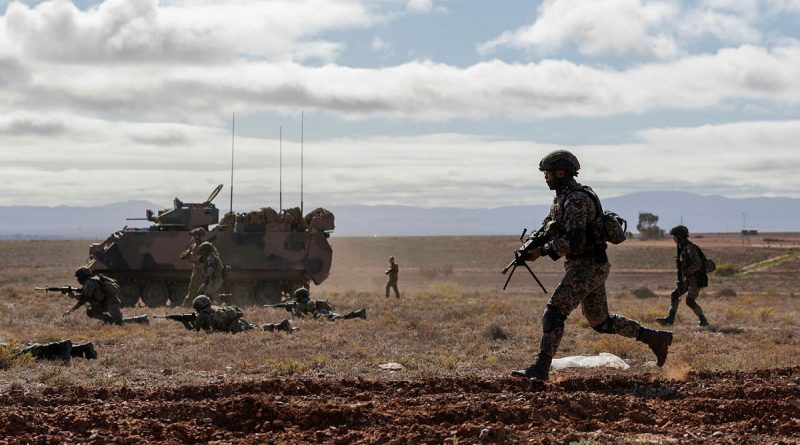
x=693 y=268
x=578 y=229
x=101 y=293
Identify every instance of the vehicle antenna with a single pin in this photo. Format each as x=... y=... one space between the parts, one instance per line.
x=301 y=162
x=280 y=170
x=233 y=133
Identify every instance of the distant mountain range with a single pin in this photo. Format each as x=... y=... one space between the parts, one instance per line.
x=700 y=213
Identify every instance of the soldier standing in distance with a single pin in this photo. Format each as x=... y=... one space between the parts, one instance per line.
x=574 y=236
x=690 y=262
x=392 y=272
x=191 y=254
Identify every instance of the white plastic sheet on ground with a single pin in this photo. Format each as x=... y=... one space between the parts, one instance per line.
x=604 y=360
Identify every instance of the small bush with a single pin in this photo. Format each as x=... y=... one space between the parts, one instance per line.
x=727 y=292
x=764 y=313
x=726 y=270
x=9 y=357
x=496 y=332
x=287 y=367
x=737 y=313
x=644 y=292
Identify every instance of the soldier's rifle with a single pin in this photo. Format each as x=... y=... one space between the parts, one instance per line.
x=186 y=319
x=66 y=290
x=536 y=240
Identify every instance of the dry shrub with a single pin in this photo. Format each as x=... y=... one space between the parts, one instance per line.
x=9 y=357
x=286 y=366
x=499 y=307
x=737 y=313
x=444 y=289
x=650 y=316
x=496 y=332
x=54 y=375
x=389 y=318
x=644 y=292
x=726 y=270
x=764 y=313
x=726 y=292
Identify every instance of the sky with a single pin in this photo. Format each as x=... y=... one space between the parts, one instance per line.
x=429 y=103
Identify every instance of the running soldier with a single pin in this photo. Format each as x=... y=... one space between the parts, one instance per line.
x=192 y=255
x=573 y=234
x=227 y=319
x=691 y=264
x=63 y=350
x=102 y=295
x=392 y=272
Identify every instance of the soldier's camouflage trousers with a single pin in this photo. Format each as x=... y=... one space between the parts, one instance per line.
x=195 y=282
x=584 y=285
x=211 y=287
x=392 y=284
x=689 y=287
x=108 y=312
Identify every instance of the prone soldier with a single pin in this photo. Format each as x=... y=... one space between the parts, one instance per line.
x=302 y=304
x=575 y=234
x=691 y=264
x=222 y=319
x=63 y=350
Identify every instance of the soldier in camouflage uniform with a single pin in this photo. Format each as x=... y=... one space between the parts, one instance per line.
x=320 y=309
x=228 y=319
x=102 y=295
x=573 y=234
x=691 y=265
x=212 y=270
x=191 y=254
x=63 y=350
x=392 y=272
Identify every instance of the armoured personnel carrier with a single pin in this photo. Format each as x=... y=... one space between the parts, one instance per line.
x=270 y=253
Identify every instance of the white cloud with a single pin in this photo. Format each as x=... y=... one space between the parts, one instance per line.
x=380 y=45
x=727 y=28
x=158 y=161
x=620 y=27
x=125 y=31
x=420 y=5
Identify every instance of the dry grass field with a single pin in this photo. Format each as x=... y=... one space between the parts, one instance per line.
x=456 y=335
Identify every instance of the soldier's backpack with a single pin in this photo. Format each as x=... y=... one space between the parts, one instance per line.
x=608 y=226
x=708 y=266
x=228 y=315
x=109 y=285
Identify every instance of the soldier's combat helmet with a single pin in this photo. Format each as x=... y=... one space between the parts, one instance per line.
x=201 y=302
x=680 y=231
x=82 y=273
x=301 y=294
x=560 y=160
x=205 y=248
x=198 y=232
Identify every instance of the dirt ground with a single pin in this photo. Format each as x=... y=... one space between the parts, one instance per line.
x=455 y=336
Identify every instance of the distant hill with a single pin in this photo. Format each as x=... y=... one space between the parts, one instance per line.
x=700 y=213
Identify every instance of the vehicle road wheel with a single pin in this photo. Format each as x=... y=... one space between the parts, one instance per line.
x=268 y=292
x=241 y=294
x=155 y=294
x=129 y=294
x=178 y=293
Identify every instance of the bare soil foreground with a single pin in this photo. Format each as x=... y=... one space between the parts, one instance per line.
x=725 y=408
x=454 y=336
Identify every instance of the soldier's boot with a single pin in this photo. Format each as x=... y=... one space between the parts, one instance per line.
x=699 y=312
x=85 y=350
x=703 y=321
x=670 y=318
x=539 y=370
x=658 y=341
x=361 y=313
x=140 y=319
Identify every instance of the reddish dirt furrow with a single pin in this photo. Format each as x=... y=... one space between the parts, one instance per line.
x=753 y=407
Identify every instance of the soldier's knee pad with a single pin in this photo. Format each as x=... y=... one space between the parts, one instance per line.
x=605 y=326
x=552 y=319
